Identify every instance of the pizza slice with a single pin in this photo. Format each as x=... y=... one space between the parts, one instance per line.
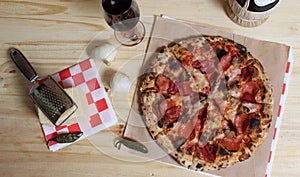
x=200 y=61
x=250 y=84
x=247 y=121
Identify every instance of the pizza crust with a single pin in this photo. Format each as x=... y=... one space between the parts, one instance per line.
x=150 y=118
x=268 y=91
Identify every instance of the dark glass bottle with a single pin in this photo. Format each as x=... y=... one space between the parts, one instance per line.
x=259 y=5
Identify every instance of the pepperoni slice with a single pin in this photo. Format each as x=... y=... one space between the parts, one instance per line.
x=209 y=152
x=173 y=89
x=242 y=123
x=231 y=143
x=249 y=91
x=165 y=85
x=248 y=73
x=226 y=60
x=165 y=105
x=205 y=66
x=173 y=113
x=162 y=82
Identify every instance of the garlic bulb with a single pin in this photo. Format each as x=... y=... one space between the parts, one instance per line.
x=120 y=83
x=105 y=52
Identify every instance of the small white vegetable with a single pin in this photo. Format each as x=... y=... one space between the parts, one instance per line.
x=105 y=52
x=120 y=83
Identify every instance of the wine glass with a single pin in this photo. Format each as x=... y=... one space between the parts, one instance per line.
x=123 y=17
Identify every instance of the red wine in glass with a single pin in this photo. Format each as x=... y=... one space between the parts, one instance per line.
x=123 y=17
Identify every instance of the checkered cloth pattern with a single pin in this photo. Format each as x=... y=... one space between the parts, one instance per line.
x=101 y=114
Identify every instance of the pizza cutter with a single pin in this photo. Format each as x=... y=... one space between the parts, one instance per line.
x=48 y=95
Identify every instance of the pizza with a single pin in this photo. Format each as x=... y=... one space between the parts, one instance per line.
x=206 y=101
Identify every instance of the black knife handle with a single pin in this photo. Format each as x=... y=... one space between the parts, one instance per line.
x=22 y=63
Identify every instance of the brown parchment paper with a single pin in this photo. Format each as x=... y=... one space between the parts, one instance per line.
x=273 y=57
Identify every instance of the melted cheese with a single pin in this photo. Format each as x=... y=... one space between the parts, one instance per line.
x=199 y=81
x=160 y=64
x=231 y=112
x=253 y=108
x=233 y=72
x=235 y=94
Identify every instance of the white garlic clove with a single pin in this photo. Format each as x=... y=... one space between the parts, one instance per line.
x=105 y=52
x=120 y=83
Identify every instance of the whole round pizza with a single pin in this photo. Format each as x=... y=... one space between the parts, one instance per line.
x=206 y=101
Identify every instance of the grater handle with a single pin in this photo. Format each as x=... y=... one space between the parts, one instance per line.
x=24 y=66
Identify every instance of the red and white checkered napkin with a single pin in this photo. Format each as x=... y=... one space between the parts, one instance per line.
x=101 y=114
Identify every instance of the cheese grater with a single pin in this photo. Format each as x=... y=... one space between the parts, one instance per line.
x=47 y=94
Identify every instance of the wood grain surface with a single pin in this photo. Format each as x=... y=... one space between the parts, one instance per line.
x=53 y=35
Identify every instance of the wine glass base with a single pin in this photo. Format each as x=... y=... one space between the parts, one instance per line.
x=131 y=37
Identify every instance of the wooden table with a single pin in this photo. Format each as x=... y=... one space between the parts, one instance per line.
x=54 y=33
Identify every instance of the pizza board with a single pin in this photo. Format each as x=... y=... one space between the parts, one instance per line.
x=277 y=61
